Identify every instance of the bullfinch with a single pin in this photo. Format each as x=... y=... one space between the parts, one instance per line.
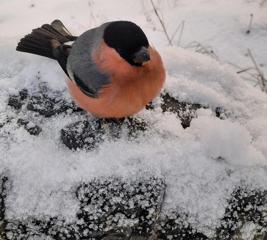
x=112 y=70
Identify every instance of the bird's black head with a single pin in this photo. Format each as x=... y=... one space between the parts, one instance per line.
x=129 y=41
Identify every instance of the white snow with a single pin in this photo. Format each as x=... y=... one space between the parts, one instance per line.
x=201 y=165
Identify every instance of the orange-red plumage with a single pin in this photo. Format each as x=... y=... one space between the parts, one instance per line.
x=131 y=87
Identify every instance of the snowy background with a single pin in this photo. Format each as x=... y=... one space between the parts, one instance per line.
x=201 y=165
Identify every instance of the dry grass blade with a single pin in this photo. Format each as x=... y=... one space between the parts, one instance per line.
x=250 y=22
x=202 y=49
x=247 y=73
x=244 y=70
x=175 y=32
x=180 y=34
x=161 y=22
x=263 y=81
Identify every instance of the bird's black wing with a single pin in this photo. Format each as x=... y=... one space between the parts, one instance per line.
x=50 y=40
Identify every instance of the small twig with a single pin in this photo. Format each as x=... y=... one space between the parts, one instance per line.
x=177 y=29
x=259 y=72
x=180 y=34
x=201 y=49
x=249 y=27
x=244 y=70
x=255 y=76
x=161 y=22
x=255 y=85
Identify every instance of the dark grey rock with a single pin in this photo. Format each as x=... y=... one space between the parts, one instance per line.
x=137 y=203
x=42 y=228
x=3 y=194
x=48 y=107
x=83 y=134
x=16 y=101
x=135 y=126
x=104 y=205
x=40 y=102
x=91 y=132
x=174 y=227
x=247 y=205
x=185 y=111
x=115 y=209
x=31 y=128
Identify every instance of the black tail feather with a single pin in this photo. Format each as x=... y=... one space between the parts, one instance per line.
x=39 y=41
x=58 y=26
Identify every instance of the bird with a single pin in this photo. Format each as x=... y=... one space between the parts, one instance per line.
x=112 y=71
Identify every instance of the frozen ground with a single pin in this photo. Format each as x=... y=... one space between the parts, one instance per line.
x=201 y=165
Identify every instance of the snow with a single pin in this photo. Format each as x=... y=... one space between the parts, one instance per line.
x=201 y=165
x=247 y=231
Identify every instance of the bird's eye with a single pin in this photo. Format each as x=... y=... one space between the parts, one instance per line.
x=120 y=51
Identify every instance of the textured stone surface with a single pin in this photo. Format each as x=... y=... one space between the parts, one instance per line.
x=109 y=209
x=246 y=207
x=185 y=111
x=30 y=127
x=16 y=101
x=174 y=227
x=115 y=209
x=121 y=208
x=3 y=193
x=91 y=132
x=88 y=133
x=48 y=107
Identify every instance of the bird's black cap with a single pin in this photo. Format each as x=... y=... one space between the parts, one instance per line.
x=127 y=39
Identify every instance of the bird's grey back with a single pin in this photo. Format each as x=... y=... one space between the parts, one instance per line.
x=80 y=64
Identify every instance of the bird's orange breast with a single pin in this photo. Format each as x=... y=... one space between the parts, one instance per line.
x=130 y=88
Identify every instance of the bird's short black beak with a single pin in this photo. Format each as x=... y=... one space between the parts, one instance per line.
x=141 y=57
